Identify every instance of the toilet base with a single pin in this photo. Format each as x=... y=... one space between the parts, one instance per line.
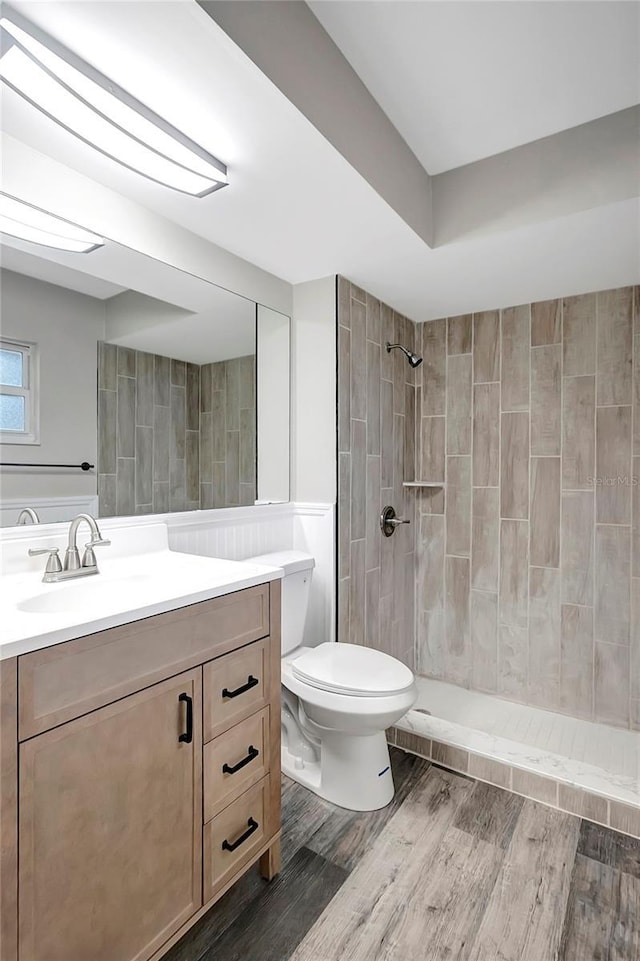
x=353 y=772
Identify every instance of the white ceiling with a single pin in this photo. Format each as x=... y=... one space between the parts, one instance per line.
x=294 y=206
x=463 y=81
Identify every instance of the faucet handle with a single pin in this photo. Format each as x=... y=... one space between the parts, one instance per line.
x=89 y=558
x=54 y=565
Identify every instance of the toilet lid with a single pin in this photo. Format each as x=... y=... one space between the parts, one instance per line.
x=351 y=669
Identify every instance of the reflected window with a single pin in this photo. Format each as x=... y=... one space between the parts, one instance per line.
x=18 y=393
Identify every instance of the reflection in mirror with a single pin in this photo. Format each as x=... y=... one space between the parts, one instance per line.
x=150 y=375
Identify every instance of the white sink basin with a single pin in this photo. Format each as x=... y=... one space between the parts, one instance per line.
x=84 y=593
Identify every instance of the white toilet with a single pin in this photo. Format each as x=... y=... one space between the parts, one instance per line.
x=337 y=701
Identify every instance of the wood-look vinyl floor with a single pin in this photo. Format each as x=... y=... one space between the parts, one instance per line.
x=452 y=870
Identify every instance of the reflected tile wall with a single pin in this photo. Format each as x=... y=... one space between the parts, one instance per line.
x=549 y=520
x=174 y=436
x=376 y=441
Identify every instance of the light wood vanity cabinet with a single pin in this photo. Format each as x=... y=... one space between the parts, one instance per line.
x=134 y=810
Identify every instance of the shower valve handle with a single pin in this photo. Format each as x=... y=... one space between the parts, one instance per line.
x=389 y=521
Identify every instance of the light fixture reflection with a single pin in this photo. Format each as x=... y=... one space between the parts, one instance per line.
x=24 y=222
x=98 y=112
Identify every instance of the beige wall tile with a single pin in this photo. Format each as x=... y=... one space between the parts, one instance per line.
x=582 y=803
x=485 y=551
x=372 y=509
x=514 y=571
x=486 y=435
x=576 y=668
x=516 y=340
x=635 y=637
x=453 y=757
x=615 y=345
x=613 y=463
x=579 y=335
x=613 y=585
x=358 y=479
x=544 y=637
x=578 y=543
x=612 y=683
x=578 y=433
x=545 y=512
x=458 y=516
x=459 y=404
x=373 y=319
x=344 y=301
x=433 y=371
x=484 y=641
x=534 y=786
x=358 y=360
x=486 y=347
x=635 y=523
x=358 y=294
x=636 y=370
x=386 y=432
x=372 y=636
x=344 y=388
x=514 y=466
x=430 y=644
x=344 y=514
x=413 y=743
x=457 y=633
x=387 y=334
x=489 y=770
x=625 y=818
x=546 y=400
x=410 y=433
x=432 y=448
x=430 y=574
x=546 y=322
x=357 y=593
x=459 y=334
x=512 y=662
x=373 y=398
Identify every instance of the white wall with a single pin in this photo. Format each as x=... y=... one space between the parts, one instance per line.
x=273 y=387
x=313 y=390
x=66 y=326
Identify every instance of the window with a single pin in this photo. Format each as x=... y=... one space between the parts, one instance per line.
x=18 y=393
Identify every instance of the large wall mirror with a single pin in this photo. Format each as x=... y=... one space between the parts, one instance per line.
x=174 y=389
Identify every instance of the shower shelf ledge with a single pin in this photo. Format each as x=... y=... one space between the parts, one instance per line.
x=423 y=484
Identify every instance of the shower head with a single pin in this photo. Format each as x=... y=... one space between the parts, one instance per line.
x=413 y=359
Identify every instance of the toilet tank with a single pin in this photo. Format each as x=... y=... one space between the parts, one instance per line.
x=296 y=590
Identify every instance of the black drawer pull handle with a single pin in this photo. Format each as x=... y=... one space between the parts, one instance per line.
x=252 y=754
x=187 y=737
x=251 y=682
x=251 y=827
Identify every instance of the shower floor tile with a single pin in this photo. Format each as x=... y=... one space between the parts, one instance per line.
x=595 y=757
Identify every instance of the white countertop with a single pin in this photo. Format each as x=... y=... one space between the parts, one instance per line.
x=129 y=587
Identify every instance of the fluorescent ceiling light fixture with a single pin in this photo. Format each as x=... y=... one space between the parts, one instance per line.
x=101 y=114
x=25 y=222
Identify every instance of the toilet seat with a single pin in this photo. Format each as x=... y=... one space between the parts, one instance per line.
x=351 y=670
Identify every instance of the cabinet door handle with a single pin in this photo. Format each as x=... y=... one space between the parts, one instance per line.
x=251 y=827
x=251 y=682
x=252 y=754
x=187 y=737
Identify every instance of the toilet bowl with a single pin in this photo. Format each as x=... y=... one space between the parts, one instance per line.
x=337 y=701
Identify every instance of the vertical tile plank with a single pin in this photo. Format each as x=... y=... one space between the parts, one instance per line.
x=459 y=404
x=613 y=461
x=546 y=412
x=579 y=335
x=516 y=339
x=615 y=346
x=514 y=466
x=578 y=433
x=486 y=347
x=613 y=585
x=545 y=512
x=486 y=435
x=485 y=539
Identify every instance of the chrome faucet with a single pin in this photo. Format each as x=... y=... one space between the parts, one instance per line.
x=73 y=566
x=27 y=513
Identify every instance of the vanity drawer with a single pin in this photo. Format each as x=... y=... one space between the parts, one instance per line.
x=234 y=836
x=234 y=761
x=235 y=686
x=62 y=682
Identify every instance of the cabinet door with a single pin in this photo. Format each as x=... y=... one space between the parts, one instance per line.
x=111 y=828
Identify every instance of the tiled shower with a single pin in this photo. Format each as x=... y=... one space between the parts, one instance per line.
x=520 y=576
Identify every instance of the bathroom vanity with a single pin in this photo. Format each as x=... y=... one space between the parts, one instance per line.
x=140 y=772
